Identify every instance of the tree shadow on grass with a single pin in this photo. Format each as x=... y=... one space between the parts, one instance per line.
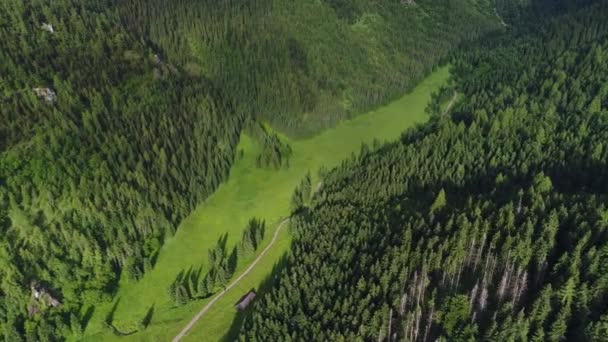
x=86 y=318
x=109 y=321
x=266 y=285
x=222 y=242
x=148 y=317
x=110 y=315
x=232 y=261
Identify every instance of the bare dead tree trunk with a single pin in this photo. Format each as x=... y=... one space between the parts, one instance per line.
x=458 y=277
x=410 y=327
x=452 y=275
x=510 y=267
x=492 y=269
x=410 y=333
x=415 y=286
x=417 y=290
x=523 y=284
x=518 y=211
x=390 y=322
x=485 y=268
x=515 y=287
x=470 y=251
x=423 y=283
x=474 y=294
x=403 y=304
x=483 y=298
x=503 y=284
x=418 y=316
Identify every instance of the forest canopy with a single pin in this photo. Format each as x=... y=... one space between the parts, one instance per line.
x=488 y=223
x=305 y=65
x=118 y=117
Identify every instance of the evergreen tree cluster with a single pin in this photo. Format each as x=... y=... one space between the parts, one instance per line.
x=118 y=117
x=252 y=238
x=490 y=223
x=274 y=152
x=95 y=177
x=439 y=100
x=305 y=65
x=302 y=194
x=192 y=284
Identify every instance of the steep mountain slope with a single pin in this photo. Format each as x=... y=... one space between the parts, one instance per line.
x=103 y=150
x=489 y=223
x=116 y=120
x=304 y=65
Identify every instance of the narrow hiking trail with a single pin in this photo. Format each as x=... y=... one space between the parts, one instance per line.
x=206 y=308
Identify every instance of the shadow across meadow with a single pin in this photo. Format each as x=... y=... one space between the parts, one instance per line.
x=266 y=285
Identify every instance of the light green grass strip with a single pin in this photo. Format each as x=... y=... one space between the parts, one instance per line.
x=249 y=192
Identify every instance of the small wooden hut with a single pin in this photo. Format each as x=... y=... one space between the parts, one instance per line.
x=244 y=302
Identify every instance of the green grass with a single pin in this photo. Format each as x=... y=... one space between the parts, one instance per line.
x=217 y=322
x=249 y=192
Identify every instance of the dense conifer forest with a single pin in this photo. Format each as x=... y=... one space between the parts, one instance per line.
x=94 y=176
x=304 y=65
x=118 y=117
x=488 y=223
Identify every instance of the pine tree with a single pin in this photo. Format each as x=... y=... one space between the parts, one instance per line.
x=204 y=289
x=181 y=295
x=75 y=325
x=297 y=200
x=598 y=330
x=259 y=232
x=559 y=326
x=306 y=188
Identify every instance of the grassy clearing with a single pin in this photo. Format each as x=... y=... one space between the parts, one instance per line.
x=249 y=192
x=219 y=322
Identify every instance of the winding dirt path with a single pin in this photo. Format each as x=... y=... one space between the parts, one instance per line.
x=219 y=296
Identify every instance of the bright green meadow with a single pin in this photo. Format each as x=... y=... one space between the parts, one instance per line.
x=249 y=192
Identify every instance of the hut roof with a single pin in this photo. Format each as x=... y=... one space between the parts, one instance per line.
x=244 y=302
